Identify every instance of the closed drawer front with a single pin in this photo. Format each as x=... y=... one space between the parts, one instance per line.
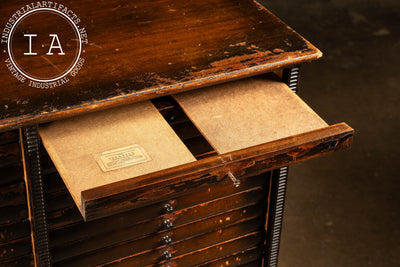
x=64 y=217
x=15 y=230
x=66 y=228
x=183 y=224
x=158 y=255
x=200 y=256
x=248 y=257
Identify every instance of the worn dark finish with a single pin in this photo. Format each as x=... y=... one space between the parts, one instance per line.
x=176 y=248
x=12 y=195
x=9 y=137
x=148 y=242
x=251 y=256
x=92 y=231
x=146 y=48
x=10 y=174
x=69 y=220
x=8 y=155
x=129 y=194
x=200 y=256
x=15 y=231
x=25 y=261
x=15 y=248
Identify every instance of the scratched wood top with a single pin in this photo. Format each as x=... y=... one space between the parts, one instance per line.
x=139 y=50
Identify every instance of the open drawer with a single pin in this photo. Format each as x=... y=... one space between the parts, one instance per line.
x=128 y=157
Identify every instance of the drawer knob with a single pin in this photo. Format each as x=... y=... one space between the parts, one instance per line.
x=236 y=182
x=167 y=255
x=167 y=223
x=167 y=239
x=168 y=208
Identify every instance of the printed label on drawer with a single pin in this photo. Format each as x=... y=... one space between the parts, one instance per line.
x=122 y=157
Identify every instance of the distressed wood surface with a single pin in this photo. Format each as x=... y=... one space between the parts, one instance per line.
x=178 y=248
x=138 y=50
x=206 y=254
x=251 y=256
x=132 y=193
x=67 y=224
x=90 y=231
x=149 y=242
x=15 y=231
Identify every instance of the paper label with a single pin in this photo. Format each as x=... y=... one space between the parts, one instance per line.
x=122 y=157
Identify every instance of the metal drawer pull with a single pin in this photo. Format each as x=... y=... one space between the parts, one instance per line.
x=168 y=208
x=167 y=240
x=167 y=255
x=168 y=223
x=236 y=182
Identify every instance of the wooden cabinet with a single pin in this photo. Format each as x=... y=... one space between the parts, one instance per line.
x=169 y=148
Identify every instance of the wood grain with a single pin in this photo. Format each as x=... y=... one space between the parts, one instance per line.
x=215 y=251
x=177 y=248
x=67 y=223
x=237 y=259
x=138 y=50
x=150 y=241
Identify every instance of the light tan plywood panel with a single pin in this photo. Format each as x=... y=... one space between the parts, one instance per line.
x=109 y=146
x=246 y=113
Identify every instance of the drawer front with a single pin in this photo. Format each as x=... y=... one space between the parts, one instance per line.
x=63 y=214
x=15 y=230
x=66 y=222
x=183 y=224
x=250 y=257
x=125 y=254
x=198 y=257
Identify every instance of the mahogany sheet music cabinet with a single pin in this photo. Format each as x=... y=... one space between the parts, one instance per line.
x=170 y=146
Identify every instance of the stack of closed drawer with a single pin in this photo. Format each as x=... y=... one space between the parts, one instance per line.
x=15 y=233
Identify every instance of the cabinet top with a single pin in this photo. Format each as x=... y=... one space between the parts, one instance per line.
x=60 y=60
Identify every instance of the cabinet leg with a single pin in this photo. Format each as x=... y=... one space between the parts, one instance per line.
x=30 y=143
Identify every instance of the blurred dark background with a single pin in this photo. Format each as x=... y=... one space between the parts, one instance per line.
x=343 y=209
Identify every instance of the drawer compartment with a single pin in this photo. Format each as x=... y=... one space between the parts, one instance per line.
x=193 y=258
x=252 y=126
x=67 y=223
x=125 y=238
x=206 y=216
x=179 y=248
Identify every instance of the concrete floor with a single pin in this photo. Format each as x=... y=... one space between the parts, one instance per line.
x=343 y=209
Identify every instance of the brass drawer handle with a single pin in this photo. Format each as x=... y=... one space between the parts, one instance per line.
x=167 y=255
x=167 y=223
x=168 y=208
x=236 y=182
x=167 y=239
